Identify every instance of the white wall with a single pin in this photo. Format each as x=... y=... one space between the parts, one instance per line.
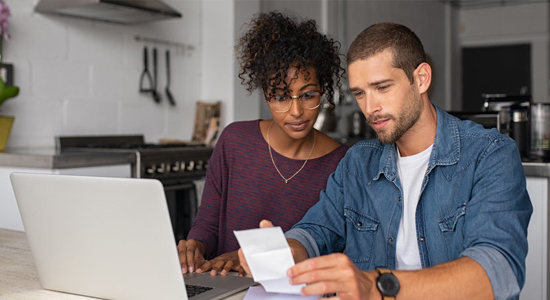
x=217 y=61
x=78 y=76
x=247 y=106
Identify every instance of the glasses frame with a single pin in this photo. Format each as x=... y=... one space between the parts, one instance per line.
x=321 y=92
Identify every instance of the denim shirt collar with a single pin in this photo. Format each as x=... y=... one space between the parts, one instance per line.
x=445 y=151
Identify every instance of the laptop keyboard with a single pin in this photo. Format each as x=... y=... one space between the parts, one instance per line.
x=193 y=290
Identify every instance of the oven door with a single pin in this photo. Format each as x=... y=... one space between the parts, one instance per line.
x=181 y=196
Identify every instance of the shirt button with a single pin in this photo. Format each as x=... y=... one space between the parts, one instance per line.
x=399 y=199
x=359 y=224
x=422 y=239
x=390 y=239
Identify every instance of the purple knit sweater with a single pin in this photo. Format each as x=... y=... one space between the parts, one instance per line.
x=242 y=187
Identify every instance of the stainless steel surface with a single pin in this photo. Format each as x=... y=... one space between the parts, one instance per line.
x=166 y=162
x=115 y=11
x=536 y=169
x=540 y=130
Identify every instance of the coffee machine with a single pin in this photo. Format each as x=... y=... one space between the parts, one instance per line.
x=540 y=131
x=514 y=115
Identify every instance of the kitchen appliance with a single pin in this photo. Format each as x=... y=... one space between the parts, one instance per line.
x=179 y=167
x=514 y=117
x=326 y=120
x=115 y=11
x=540 y=130
x=357 y=124
x=487 y=119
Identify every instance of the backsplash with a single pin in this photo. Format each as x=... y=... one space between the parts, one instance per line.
x=80 y=77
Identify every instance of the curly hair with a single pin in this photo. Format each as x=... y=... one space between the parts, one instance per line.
x=275 y=42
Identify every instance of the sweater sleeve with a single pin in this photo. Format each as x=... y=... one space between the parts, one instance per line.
x=206 y=226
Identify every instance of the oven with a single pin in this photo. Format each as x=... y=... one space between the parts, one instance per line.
x=180 y=168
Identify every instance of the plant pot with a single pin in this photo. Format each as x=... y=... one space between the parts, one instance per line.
x=5 y=128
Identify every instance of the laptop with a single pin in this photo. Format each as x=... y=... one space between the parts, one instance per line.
x=108 y=238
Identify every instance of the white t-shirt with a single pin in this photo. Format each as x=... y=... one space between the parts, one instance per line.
x=412 y=170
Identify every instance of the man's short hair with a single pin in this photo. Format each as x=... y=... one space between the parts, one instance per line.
x=407 y=49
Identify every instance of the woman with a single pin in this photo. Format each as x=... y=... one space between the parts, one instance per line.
x=268 y=169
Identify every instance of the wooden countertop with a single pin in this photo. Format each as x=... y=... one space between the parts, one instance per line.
x=18 y=277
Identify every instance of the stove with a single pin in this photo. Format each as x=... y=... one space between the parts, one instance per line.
x=180 y=168
x=160 y=161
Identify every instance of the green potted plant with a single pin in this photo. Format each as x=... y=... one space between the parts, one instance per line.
x=6 y=92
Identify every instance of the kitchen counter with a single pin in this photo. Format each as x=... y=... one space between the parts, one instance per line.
x=50 y=158
x=19 y=276
x=536 y=169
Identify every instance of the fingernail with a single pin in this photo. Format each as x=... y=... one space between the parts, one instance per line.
x=199 y=270
x=184 y=270
x=190 y=269
x=224 y=272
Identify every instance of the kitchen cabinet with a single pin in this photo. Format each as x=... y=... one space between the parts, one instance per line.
x=536 y=279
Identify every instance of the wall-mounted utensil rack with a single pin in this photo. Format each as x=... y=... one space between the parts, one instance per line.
x=180 y=47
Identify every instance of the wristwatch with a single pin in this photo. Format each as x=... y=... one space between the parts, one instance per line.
x=387 y=284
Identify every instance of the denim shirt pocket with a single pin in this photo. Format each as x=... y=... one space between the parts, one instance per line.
x=450 y=226
x=449 y=223
x=361 y=233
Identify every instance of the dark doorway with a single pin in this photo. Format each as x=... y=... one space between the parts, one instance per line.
x=494 y=70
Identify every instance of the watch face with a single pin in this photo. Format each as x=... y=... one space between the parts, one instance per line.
x=388 y=284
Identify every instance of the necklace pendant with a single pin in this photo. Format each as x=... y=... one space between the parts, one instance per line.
x=286 y=181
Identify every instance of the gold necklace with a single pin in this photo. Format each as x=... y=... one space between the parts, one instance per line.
x=273 y=161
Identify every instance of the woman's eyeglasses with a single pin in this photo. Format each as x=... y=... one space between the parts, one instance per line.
x=282 y=103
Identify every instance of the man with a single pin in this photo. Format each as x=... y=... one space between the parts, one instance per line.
x=435 y=208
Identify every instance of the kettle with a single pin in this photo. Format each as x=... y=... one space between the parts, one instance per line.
x=357 y=124
x=326 y=121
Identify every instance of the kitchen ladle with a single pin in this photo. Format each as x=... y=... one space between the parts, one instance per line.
x=156 y=95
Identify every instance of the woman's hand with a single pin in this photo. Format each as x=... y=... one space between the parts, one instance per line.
x=222 y=265
x=191 y=254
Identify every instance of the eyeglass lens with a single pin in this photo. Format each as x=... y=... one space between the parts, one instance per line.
x=308 y=100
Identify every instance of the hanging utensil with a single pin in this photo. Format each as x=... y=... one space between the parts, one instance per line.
x=167 y=89
x=156 y=95
x=145 y=74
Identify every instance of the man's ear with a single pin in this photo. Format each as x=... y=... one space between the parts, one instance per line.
x=423 y=77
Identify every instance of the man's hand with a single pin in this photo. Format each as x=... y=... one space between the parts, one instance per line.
x=222 y=265
x=191 y=254
x=334 y=273
x=242 y=260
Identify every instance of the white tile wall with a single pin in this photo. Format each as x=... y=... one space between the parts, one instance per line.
x=80 y=76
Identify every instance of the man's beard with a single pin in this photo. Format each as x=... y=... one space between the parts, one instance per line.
x=407 y=117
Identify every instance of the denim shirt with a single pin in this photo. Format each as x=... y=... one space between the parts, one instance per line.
x=473 y=203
